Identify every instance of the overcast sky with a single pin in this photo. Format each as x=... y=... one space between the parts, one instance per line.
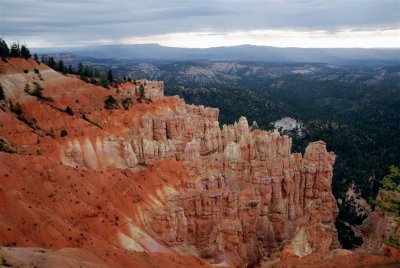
x=203 y=23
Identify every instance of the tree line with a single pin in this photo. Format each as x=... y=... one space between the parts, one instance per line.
x=86 y=72
x=16 y=50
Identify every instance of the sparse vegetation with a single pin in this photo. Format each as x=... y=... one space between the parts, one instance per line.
x=17 y=109
x=37 y=91
x=142 y=95
x=69 y=111
x=141 y=92
x=86 y=72
x=50 y=133
x=111 y=103
x=84 y=117
x=4 y=262
x=5 y=147
x=27 y=88
x=63 y=133
x=126 y=103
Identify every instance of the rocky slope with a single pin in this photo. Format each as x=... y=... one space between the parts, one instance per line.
x=158 y=184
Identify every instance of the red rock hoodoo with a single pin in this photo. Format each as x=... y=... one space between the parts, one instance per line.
x=161 y=179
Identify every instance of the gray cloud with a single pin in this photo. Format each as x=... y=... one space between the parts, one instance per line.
x=76 y=22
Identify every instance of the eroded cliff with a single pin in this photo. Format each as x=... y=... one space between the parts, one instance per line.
x=159 y=178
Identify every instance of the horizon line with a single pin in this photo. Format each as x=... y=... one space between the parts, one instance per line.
x=201 y=48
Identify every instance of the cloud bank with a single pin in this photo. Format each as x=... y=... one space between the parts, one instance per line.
x=206 y=23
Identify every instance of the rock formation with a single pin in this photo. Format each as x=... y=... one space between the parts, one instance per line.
x=162 y=177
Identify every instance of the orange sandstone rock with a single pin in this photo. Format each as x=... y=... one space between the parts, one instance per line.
x=160 y=178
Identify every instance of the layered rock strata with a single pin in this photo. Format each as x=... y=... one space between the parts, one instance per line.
x=176 y=181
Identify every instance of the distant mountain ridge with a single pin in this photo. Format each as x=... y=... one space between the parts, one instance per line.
x=249 y=53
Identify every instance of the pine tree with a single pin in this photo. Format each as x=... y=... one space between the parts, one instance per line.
x=38 y=91
x=110 y=75
x=141 y=92
x=25 y=53
x=80 y=69
x=104 y=82
x=88 y=71
x=60 y=66
x=70 y=70
x=51 y=63
x=4 y=50
x=15 y=50
x=35 y=57
x=388 y=201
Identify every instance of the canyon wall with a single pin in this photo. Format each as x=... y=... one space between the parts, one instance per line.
x=227 y=194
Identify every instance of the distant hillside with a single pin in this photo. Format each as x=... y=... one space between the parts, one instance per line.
x=235 y=53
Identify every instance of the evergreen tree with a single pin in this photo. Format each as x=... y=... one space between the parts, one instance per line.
x=4 y=50
x=38 y=91
x=389 y=191
x=60 y=66
x=15 y=50
x=69 y=69
x=126 y=103
x=2 y=95
x=35 y=57
x=110 y=75
x=17 y=109
x=51 y=63
x=104 y=82
x=141 y=92
x=388 y=201
x=80 y=69
x=111 y=103
x=25 y=53
x=88 y=71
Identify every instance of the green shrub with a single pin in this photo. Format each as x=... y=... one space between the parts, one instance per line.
x=69 y=111
x=63 y=133
x=111 y=103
